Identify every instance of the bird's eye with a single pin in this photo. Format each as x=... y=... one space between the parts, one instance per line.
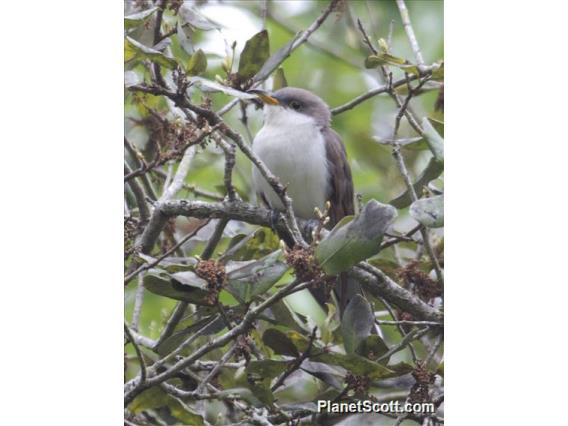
x=295 y=105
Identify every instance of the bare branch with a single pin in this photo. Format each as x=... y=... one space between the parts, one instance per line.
x=150 y=234
x=404 y=15
x=166 y=254
x=413 y=335
x=135 y=386
x=404 y=322
x=404 y=172
x=226 y=357
x=299 y=41
x=374 y=279
x=214 y=239
x=297 y=362
x=229 y=150
x=191 y=188
x=379 y=90
x=138 y=301
x=138 y=354
x=140 y=197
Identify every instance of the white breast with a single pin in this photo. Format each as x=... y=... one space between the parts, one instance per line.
x=292 y=147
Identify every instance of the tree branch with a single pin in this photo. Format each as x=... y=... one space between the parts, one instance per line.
x=149 y=237
x=404 y=15
x=374 y=279
x=135 y=386
x=379 y=90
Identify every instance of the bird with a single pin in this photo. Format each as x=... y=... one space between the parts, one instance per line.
x=298 y=145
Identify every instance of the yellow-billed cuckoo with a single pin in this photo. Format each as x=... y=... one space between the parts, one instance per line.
x=298 y=146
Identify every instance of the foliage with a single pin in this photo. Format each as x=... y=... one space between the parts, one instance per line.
x=223 y=328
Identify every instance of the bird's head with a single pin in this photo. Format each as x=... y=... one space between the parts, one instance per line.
x=292 y=105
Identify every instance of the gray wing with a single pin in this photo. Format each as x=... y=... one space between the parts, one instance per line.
x=342 y=204
x=341 y=183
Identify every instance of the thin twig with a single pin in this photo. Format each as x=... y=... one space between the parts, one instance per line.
x=172 y=322
x=138 y=301
x=263 y=12
x=194 y=395
x=192 y=188
x=226 y=357
x=167 y=253
x=172 y=355
x=404 y=172
x=405 y=322
x=434 y=349
x=134 y=154
x=296 y=363
x=299 y=40
x=399 y=328
x=404 y=15
x=138 y=354
x=388 y=77
x=398 y=238
x=413 y=335
x=140 y=197
x=134 y=386
x=214 y=239
x=374 y=92
x=375 y=280
x=229 y=150
x=154 y=227
x=317 y=45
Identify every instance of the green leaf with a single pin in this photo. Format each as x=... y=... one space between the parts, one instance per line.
x=431 y=172
x=208 y=84
x=184 y=40
x=196 y=19
x=136 y=19
x=151 y=398
x=440 y=369
x=350 y=243
x=197 y=63
x=279 y=80
x=329 y=325
x=265 y=369
x=331 y=375
x=254 y=55
x=355 y=364
x=357 y=322
x=276 y=59
x=284 y=315
x=185 y=286
x=259 y=376
x=400 y=369
x=379 y=59
x=242 y=393
x=184 y=413
x=253 y=246
x=438 y=125
x=429 y=211
x=300 y=341
x=279 y=342
x=438 y=74
x=435 y=141
x=373 y=347
x=170 y=264
x=135 y=51
x=156 y=397
x=210 y=325
x=249 y=279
